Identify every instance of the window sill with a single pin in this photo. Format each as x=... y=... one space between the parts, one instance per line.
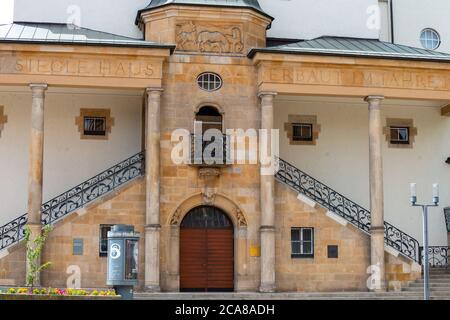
x=306 y=256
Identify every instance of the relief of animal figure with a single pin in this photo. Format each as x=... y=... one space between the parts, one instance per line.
x=186 y=36
x=212 y=42
x=209 y=39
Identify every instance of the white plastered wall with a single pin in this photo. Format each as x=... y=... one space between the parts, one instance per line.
x=307 y=19
x=340 y=158
x=298 y=19
x=68 y=160
x=114 y=16
x=412 y=16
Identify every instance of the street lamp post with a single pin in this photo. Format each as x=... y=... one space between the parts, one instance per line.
x=426 y=265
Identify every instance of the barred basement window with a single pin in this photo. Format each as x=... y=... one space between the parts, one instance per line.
x=302 y=242
x=302 y=131
x=209 y=81
x=103 y=243
x=94 y=126
x=399 y=135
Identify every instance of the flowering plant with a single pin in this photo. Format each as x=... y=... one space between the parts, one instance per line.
x=59 y=292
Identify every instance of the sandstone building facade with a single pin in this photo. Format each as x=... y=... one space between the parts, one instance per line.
x=359 y=116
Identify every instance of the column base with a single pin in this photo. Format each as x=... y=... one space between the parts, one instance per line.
x=380 y=290
x=152 y=289
x=36 y=229
x=267 y=288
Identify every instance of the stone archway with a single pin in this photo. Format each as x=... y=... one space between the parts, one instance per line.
x=237 y=217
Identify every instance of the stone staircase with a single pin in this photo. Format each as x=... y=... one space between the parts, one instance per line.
x=101 y=185
x=439 y=284
x=439 y=290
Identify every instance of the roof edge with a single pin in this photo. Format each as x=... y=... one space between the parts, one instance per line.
x=139 y=13
x=251 y=54
x=93 y=44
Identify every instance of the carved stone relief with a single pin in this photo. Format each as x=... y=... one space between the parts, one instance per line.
x=192 y=36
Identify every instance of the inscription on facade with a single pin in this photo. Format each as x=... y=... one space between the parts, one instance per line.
x=397 y=78
x=191 y=36
x=3 y=119
x=120 y=68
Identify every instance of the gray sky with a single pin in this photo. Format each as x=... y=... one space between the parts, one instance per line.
x=6 y=11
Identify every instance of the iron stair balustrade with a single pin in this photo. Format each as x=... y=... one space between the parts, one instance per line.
x=77 y=197
x=344 y=207
x=447 y=218
x=437 y=256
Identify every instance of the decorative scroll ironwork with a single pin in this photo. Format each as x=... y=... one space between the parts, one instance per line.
x=13 y=232
x=344 y=207
x=437 y=256
x=209 y=158
x=77 y=197
x=447 y=218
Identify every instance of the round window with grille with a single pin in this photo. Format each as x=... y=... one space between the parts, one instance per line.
x=209 y=81
x=430 y=39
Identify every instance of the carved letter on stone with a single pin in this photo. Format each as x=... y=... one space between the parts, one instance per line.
x=3 y=120
x=215 y=39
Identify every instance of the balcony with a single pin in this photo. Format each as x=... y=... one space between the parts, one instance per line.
x=207 y=152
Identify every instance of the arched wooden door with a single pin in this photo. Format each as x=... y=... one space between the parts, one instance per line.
x=206 y=251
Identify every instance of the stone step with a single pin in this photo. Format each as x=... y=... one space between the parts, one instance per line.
x=433 y=289
x=405 y=295
x=435 y=280
x=432 y=285
x=444 y=271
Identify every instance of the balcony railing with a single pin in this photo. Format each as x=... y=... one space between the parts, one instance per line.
x=210 y=153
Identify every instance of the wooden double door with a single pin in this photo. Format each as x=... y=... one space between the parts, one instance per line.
x=206 y=251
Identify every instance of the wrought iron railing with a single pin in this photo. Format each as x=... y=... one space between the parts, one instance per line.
x=77 y=197
x=344 y=207
x=437 y=256
x=447 y=218
x=13 y=231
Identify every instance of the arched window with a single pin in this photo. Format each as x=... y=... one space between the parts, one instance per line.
x=209 y=118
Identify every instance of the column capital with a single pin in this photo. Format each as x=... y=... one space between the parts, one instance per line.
x=154 y=90
x=38 y=86
x=263 y=94
x=38 y=89
x=374 y=98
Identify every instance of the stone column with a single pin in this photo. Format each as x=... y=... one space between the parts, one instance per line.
x=173 y=282
x=267 y=203
x=36 y=160
x=376 y=187
x=152 y=165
